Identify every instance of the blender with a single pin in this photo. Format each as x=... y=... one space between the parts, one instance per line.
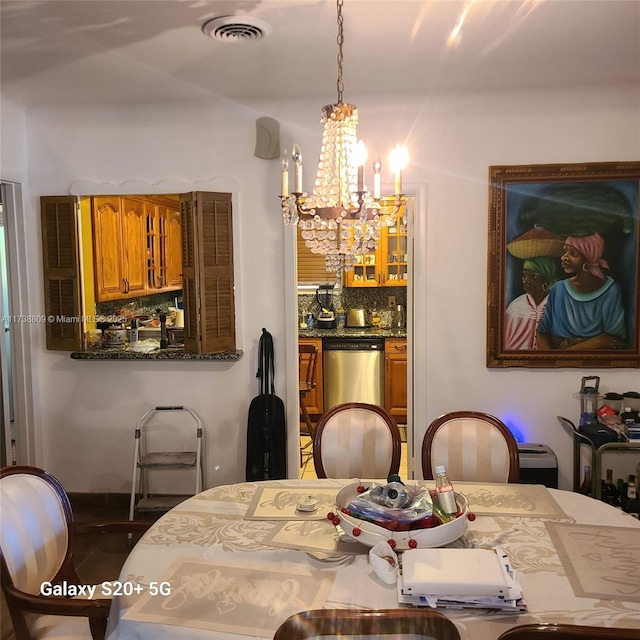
x=327 y=316
x=589 y=400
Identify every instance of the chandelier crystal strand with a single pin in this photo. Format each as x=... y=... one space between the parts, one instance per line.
x=340 y=219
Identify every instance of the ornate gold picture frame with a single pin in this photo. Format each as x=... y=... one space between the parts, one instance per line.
x=564 y=265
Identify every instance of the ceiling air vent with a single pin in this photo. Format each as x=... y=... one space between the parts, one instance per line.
x=236 y=29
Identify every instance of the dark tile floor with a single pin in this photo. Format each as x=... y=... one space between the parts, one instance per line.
x=97 y=558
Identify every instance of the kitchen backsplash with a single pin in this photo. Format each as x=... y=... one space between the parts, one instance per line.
x=369 y=298
x=143 y=306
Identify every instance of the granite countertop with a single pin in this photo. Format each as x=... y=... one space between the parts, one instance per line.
x=171 y=353
x=352 y=333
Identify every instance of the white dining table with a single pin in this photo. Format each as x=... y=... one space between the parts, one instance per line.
x=235 y=561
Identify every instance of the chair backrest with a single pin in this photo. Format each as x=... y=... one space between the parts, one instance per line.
x=473 y=446
x=344 y=623
x=568 y=632
x=356 y=440
x=307 y=361
x=36 y=529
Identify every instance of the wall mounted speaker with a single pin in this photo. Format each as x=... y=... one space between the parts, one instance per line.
x=267 y=138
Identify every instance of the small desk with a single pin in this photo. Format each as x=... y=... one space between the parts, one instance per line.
x=238 y=566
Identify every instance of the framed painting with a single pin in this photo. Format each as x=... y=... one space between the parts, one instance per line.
x=564 y=266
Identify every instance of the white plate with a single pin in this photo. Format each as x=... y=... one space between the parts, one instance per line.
x=371 y=534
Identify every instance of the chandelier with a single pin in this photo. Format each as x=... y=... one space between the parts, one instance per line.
x=341 y=219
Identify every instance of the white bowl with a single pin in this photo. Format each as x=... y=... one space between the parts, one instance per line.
x=371 y=534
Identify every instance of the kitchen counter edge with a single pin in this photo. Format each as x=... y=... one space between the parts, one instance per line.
x=163 y=354
x=352 y=333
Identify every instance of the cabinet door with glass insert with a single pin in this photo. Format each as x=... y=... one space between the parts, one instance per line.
x=394 y=255
x=366 y=271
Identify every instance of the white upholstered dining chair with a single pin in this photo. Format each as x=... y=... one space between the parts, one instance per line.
x=473 y=446
x=423 y=624
x=37 y=536
x=356 y=440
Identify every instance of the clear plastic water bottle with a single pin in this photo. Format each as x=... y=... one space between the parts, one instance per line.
x=444 y=491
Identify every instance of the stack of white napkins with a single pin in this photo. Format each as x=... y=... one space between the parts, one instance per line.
x=459 y=578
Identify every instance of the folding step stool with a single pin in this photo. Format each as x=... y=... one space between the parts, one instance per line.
x=145 y=461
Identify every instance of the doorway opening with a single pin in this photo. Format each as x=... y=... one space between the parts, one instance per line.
x=383 y=284
x=16 y=406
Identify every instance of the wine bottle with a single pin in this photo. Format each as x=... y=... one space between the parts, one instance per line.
x=633 y=504
x=610 y=492
x=585 y=487
x=621 y=495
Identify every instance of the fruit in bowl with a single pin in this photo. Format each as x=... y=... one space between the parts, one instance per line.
x=426 y=532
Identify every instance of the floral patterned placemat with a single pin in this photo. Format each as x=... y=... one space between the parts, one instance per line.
x=315 y=536
x=511 y=500
x=603 y=562
x=276 y=503
x=249 y=599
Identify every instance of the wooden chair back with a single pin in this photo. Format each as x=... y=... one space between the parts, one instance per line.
x=348 y=623
x=356 y=440
x=307 y=362
x=568 y=632
x=307 y=366
x=473 y=446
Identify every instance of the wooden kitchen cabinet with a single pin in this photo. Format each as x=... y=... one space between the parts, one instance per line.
x=366 y=271
x=174 y=248
x=133 y=247
x=135 y=241
x=394 y=255
x=387 y=265
x=395 y=378
x=119 y=247
x=314 y=399
x=164 y=247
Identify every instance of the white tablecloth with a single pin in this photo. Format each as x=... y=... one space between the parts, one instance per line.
x=237 y=567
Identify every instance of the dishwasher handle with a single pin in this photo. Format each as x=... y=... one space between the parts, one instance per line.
x=353 y=344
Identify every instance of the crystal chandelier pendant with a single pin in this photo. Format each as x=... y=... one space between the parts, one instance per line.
x=335 y=184
x=341 y=218
x=290 y=211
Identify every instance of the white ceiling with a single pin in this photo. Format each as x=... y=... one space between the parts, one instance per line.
x=121 y=51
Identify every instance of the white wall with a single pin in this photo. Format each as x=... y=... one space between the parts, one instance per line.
x=13 y=147
x=89 y=409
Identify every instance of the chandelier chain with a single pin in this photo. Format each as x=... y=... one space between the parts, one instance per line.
x=340 y=56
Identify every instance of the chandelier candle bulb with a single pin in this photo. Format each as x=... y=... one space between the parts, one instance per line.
x=398 y=160
x=398 y=189
x=361 y=158
x=297 y=158
x=377 y=165
x=285 y=174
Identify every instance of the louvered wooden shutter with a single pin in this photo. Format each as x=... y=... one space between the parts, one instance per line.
x=189 y=290
x=61 y=272
x=311 y=266
x=208 y=288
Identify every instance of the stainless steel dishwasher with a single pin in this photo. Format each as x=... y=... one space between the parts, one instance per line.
x=353 y=371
